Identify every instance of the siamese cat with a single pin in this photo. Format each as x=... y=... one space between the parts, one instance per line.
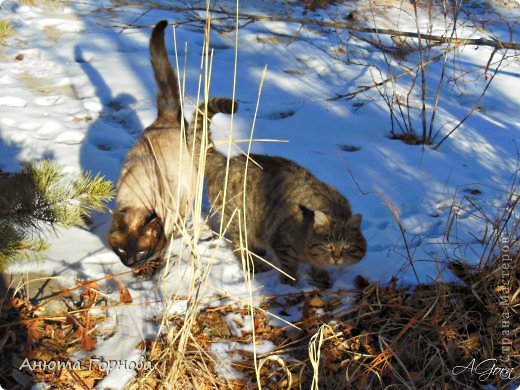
x=157 y=180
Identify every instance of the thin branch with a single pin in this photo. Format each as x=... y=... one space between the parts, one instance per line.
x=365 y=88
x=350 y=27
x=395 y=214
x=475 y=105
x=422 y=70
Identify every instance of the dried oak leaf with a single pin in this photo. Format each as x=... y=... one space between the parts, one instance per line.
x=34 y=331
x=80 y=332
x=124 y=294
x=91 y=292
x=87 y=342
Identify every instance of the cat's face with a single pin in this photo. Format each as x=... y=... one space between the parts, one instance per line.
x=332 y=243
x=136 y=236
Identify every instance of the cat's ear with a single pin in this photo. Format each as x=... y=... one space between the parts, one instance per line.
x=354 y=222
x=118 y=217
x=321 y=220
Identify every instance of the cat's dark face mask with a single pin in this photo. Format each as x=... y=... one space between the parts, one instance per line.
x=136 y=243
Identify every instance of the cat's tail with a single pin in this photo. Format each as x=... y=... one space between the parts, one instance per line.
x=168 y=97
x=214 y=106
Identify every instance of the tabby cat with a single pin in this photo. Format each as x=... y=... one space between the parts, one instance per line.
x=157 y=180
x=289 y=211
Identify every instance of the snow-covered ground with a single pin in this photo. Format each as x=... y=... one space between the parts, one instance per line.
x=84 y=90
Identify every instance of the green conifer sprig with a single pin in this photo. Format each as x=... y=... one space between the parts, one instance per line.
x=40 y=197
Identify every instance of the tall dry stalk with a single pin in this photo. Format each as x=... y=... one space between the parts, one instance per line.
x=315 y=344
x=181 y=345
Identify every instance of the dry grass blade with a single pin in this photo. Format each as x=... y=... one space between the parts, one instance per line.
x=397 y=219
x=315 y=345
x=282 y=364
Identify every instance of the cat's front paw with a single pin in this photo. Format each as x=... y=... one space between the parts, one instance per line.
x=147 y=271
x=320 y=278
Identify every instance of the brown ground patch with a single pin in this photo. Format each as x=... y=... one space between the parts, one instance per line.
x=45 y=87
x=392 y=335
x=43 y=325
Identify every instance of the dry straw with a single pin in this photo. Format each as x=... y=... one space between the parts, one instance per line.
x=181 y=358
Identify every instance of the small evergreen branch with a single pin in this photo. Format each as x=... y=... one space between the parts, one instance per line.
x=93 y=192
x=39 y=197
x=25 y=249
x=68 y=200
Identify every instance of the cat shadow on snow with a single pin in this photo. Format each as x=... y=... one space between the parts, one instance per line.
x=109 y=137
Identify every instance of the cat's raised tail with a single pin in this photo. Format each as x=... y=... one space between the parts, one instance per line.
x=214 y=106
x=168 y=96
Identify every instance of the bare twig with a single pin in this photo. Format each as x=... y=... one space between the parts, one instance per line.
x=351 y=27
x=474 y=107
x=407 y=72
x=403 y=231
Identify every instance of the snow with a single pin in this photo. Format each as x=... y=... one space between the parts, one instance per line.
x=96 y=93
